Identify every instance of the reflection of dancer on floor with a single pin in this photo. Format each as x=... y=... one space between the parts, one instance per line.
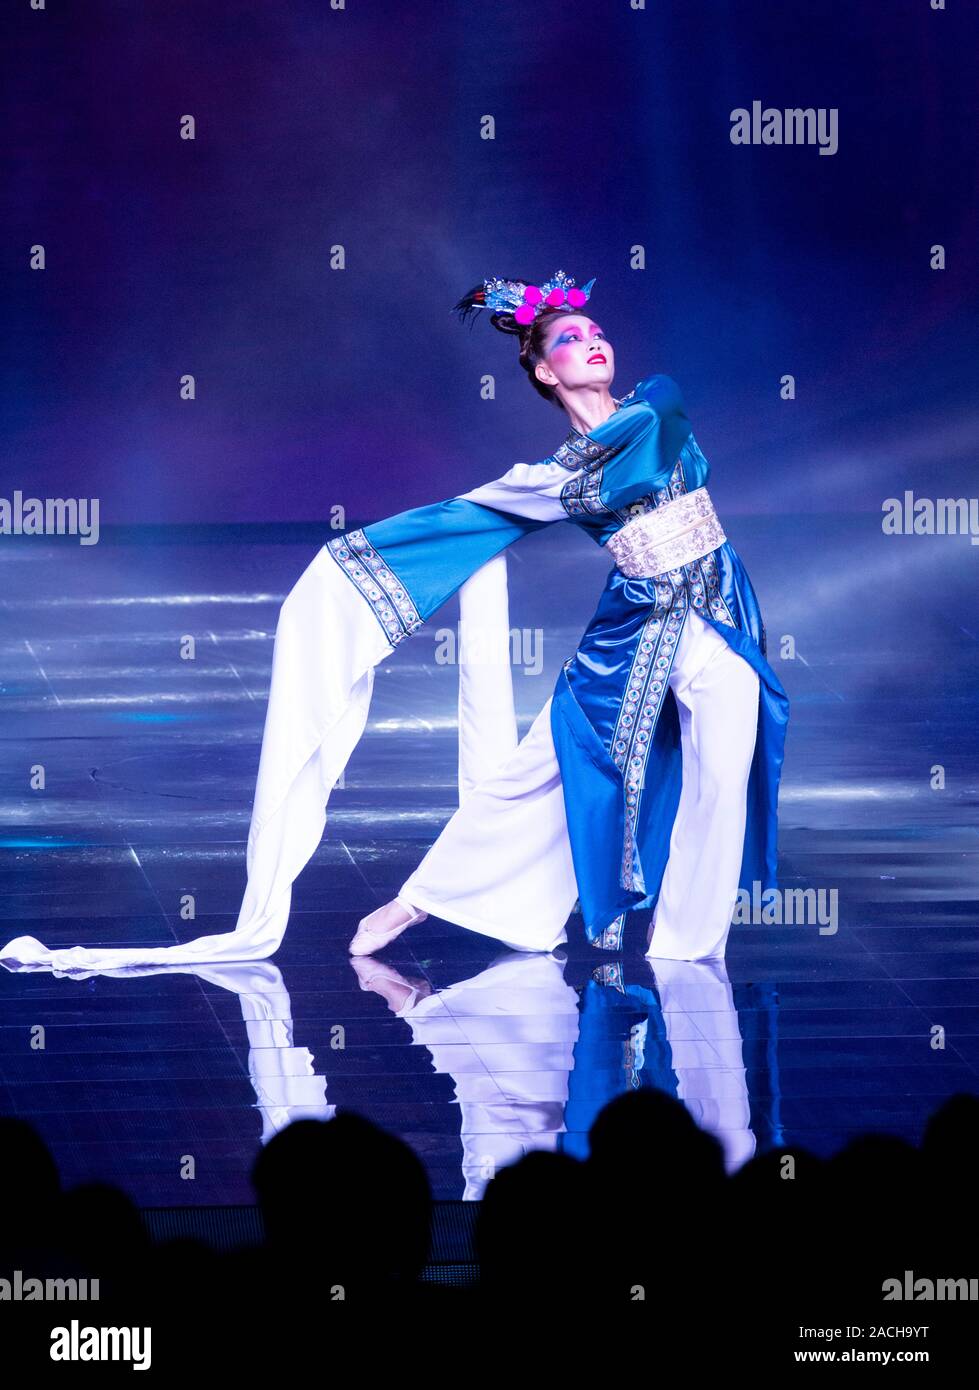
x=651 y=775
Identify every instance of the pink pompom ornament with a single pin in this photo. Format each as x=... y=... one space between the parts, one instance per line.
x=523 y=302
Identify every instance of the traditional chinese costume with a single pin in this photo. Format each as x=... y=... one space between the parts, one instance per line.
x=635 y=484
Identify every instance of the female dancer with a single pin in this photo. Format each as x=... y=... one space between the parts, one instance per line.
x=651 y=775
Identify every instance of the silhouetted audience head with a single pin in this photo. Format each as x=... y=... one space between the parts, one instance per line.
x=101 y=1229
x=31 y=1186
x=950 y=1144
x=652 y=1137
x=532 y=1230
x=353 y=1202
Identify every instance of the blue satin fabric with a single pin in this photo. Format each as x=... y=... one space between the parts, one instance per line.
x=434 y=549
x=584 y=712
x=643 y=440
x=608 y=1012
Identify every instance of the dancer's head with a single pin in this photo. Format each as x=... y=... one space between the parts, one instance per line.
x=562 y=349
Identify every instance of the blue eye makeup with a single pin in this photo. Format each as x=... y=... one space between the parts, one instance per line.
x=572 y=333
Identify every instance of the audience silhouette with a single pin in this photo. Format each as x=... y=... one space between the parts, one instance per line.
x=649 y=1229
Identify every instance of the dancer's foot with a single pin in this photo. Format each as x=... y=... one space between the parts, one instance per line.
x=383 y=925
x=398 y=991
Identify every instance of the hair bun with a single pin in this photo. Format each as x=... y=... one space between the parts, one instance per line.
x=470 y=305
x=506 y=323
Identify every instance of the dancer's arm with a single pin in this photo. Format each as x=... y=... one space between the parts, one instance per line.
x=428 y=552
x=408 y=566
x=432 y=550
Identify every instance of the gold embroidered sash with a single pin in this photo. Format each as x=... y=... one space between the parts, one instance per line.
x=667 y=537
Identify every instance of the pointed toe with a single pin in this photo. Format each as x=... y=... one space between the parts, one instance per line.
x=370 y=938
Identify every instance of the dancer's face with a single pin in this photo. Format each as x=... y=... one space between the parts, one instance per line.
x=577 y=354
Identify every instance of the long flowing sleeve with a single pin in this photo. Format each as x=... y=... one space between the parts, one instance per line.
x=363 y=593
x=486 y=713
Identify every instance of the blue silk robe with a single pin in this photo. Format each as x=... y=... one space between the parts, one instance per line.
x=613 y=717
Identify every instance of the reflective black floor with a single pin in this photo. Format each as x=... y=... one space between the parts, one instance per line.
x=168 y=1083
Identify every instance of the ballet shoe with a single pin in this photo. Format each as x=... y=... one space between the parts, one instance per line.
x=369 y=939
x=419 y=990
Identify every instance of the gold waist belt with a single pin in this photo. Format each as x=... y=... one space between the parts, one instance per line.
x=680 y=531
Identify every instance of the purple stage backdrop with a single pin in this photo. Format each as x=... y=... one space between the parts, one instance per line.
x=441 y=141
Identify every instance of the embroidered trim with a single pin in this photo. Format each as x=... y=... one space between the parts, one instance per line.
x=611 y=938
x=582 y=495
x=578 y=451
x=610 y=974
x=390 y=601
x=712 y=580
x=640 y=710
x=677 y=485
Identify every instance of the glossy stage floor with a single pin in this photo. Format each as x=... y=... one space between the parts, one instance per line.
x=472 y=1055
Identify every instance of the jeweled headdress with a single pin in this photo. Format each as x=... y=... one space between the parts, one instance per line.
x=524 y=301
